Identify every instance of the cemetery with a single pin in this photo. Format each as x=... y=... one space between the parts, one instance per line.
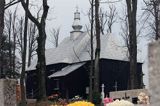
x=106 y=54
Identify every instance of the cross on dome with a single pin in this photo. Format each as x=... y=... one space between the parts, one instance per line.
x=77 y=8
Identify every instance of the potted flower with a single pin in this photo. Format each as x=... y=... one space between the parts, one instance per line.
x=107 y=100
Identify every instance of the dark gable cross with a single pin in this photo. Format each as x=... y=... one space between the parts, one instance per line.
x=115 y=86
x=125 y=96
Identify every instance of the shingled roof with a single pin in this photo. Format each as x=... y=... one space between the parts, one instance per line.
x=77 y=49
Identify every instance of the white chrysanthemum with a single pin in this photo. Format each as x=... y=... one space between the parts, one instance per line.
x=120 y=103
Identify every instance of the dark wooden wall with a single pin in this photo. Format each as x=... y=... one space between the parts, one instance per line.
x=75 y=83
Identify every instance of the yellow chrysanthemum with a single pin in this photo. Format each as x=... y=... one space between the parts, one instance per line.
x=81 y=103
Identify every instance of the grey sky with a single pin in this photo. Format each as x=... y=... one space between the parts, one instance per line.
x=62 y=11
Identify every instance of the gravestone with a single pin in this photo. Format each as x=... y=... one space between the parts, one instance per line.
x=129 y=95
x=7 y=92
x=154 y=73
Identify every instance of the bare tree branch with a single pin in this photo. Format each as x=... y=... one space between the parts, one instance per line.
x=55 y=36
x=29 y=13
x=13 y=2
x=153 y=9
x=108 y=1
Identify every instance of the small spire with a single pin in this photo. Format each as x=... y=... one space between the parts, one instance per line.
x=77 y=14
x=76 y=24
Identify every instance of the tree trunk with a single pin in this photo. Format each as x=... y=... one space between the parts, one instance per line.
x=10 y=46
x=132 y=10
x=2 y=4
x=97 y=52
x=41 y=64
x=92 y=61
x=14 y=44
x=29 y=56
x=41 y=40
x=24 y=50
x=157 y=19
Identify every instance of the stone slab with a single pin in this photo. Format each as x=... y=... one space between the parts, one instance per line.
x=7 y=92
x=1 y=93
x=154 y=72
x=127 y=94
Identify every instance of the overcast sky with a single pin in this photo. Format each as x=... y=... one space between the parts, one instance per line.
x=62 y=14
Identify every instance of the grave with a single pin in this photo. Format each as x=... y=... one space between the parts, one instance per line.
x=7 y=92
x=154 y=73
x=130 y=95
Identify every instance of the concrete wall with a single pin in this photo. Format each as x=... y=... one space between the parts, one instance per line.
x=154 y=73
x=1 y=93
x=7 y=92
x=127 y=94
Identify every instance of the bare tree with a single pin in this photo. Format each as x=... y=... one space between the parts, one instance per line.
x=32 y=44
x=14 y=32
x=98 y=20
x=111 y=18
x=32 y=35
x=10 y=31
x=125 y=33
x=4 y=57
x=92 y=61
x=55 y=36
x=2 y=4
x=41 y=40
x=98 y=46
x=20 y=36
x=103 y=20
x=153 y=10
x=9 y=27
x=125 y=29
x=24 y=27
x=131 y=12
x=10 y=3
x=107 y=19
x=23 y=93
x=91 y=72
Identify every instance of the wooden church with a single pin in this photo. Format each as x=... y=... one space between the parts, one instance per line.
x=67 y=70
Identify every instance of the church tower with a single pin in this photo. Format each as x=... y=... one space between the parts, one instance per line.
x=76 y=26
